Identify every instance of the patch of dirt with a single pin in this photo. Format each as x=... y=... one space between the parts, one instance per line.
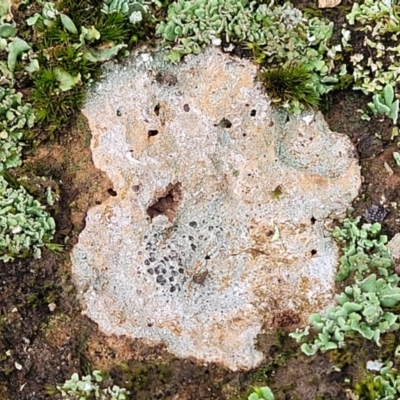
x=27 y=362
x=70 y=162
x=375 y=145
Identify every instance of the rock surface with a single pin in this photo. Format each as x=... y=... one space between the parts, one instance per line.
x=216 y=227
x=328 y=3
x=394 y=246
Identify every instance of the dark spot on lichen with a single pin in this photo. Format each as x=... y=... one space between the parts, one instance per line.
x=161 y=279
x=166 y=78
x=200 y=277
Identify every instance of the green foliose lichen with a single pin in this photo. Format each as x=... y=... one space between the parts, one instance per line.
x=14 y=117
x=363 y=307
x=25 y=225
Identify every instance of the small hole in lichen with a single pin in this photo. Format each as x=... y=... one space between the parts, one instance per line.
x=207 y=257
x=186 y=107
x=244 y=134
x=224 y=123
x=111 y=192
x=168 y=203
x=313 y=252
x=313 y=220
x=152 y=132
x=157 y=109
x=253 y=113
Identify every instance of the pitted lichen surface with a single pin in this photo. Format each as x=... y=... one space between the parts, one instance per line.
x=217 y=226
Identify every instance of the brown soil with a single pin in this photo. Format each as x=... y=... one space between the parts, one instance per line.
x=375 y=146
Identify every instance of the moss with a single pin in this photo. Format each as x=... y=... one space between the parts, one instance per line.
x=140 y=376
x=83 y=13
x=54 y=107
x=114 y=28
x=290 y=84
x=4 y=393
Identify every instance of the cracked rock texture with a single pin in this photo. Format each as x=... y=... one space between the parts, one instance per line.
x=216 y=230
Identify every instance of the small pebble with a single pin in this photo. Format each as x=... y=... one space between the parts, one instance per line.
x=375 y=213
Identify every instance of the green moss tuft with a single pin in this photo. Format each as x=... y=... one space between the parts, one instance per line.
x=114 y=28
x=290 y=84
x=52 y=105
